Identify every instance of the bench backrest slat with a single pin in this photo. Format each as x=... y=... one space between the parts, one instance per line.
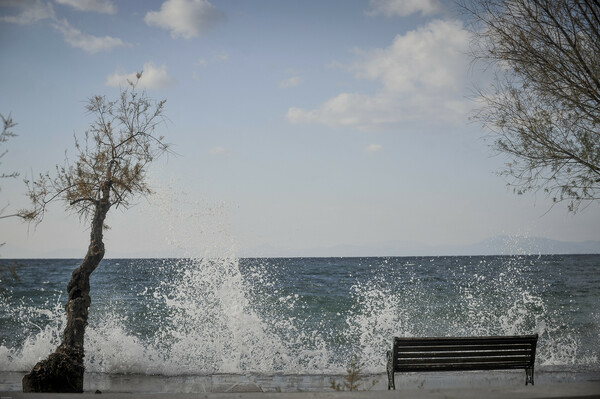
x=492 y=352
x=462 y=340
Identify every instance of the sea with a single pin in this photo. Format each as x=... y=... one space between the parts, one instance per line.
x=299 y=324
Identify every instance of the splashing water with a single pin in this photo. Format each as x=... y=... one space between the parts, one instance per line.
x=216 y=313
x=212 y=326
x=205 y=316
x=38 y=326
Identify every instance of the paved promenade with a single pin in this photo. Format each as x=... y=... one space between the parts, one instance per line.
x=581 y=390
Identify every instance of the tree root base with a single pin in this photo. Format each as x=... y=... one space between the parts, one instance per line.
x=62 y=371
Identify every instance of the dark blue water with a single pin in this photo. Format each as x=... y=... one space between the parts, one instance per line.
x=302 y=315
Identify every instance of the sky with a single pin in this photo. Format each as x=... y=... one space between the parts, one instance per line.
x=298 y=127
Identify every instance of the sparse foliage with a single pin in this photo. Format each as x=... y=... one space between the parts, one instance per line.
x=543 y=110
x=111 y=162
x=7 y=271
x=7 y=133
x=109 y=171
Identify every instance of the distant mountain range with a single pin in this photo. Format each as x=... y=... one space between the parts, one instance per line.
x=500 y=245
x=505 y=245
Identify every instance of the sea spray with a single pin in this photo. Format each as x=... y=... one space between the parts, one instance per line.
x=505 y=296
x=379 y=313
x=211 y=327
x=212 y=312
x=213 y=315
x=198 y=228
x=36 y=332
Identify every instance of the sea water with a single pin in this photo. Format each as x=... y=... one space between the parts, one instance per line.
x=198 y=324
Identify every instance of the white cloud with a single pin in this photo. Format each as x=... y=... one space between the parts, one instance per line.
x=431 y=57
x=101 y=6
x=404 y=8
x=89 y=43
x=153 y=77
x=292 y=81
x=373 y=148
x=185 y=18
x=31 y=11
x=204 y=62
x=221 y=57
x=349 y=109
x=218 y=151
x=421 y=76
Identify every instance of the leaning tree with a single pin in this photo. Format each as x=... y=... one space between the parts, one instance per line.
x=109 y=171
x=543 y=109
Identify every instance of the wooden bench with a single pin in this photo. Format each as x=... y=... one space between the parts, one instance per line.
x=462 y=353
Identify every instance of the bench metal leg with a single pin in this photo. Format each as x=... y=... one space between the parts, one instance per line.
x=529 y=376
x=390 y=371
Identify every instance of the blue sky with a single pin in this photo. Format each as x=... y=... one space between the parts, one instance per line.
x=299 y=125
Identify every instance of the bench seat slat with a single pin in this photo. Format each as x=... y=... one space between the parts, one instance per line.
x=462 y=367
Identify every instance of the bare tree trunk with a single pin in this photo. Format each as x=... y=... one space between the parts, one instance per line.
x=63 y=370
